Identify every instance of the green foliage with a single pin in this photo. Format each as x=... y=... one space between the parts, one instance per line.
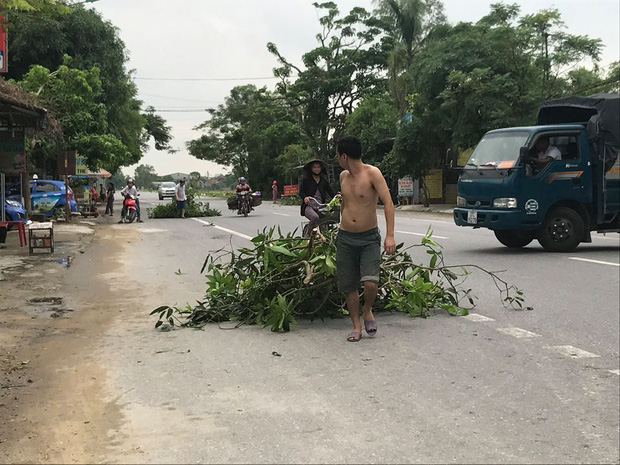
x=34 y=5
x=194 y=209
x=44 y=39
x=145 y=176
x=290 y=200
x=72 y=94
x=284 y=277
x=374 y=122
x=334 y=75
x=248 y=133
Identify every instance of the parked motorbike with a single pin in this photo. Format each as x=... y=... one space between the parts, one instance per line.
x=131 y=209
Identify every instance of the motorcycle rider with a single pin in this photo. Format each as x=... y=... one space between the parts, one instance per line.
x=243 y=186
x=130 y=190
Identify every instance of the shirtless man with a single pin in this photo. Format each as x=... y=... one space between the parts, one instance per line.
x=358 y=246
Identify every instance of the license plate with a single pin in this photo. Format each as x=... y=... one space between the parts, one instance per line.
x=472 y=217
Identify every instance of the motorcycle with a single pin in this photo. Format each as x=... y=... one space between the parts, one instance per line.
x=244 y=203
x=131 y=210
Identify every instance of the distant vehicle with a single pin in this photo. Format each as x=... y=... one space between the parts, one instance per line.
x=15 y=211
x=167 y=189
x=46 y=196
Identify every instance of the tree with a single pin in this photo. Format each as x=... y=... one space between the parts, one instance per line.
x=33 y=5
x=72 y=94
x=374 y=122
x=410 y=23
x=248 y=132
x=471 y=78
x=145 y=176
x=44 y=38
x=334 y=76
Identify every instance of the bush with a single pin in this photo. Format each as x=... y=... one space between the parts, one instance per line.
x=193 y=210
x=290 y=200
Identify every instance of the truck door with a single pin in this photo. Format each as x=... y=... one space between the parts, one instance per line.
x=569 y=178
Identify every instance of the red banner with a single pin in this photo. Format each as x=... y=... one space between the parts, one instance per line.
x=291 y=190
x=4 y=46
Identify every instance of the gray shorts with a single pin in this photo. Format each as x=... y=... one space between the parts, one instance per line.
x=358 y=258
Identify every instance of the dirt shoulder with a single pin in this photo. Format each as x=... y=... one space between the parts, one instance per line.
x=53 y=403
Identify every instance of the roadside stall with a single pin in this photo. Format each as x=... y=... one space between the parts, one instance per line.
x=86 y=188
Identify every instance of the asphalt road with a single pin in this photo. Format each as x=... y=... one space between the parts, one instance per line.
x=499 y=386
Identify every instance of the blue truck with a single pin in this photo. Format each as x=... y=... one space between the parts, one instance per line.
x=556 y=182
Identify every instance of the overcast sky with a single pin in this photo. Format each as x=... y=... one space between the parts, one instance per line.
x=227 y=39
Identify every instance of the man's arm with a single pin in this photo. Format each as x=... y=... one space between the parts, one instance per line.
x=378 y=181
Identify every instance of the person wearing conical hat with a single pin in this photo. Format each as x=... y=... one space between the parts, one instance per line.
x=314 y=189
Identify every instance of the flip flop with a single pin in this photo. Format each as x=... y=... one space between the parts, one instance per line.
x=354 y=336
x=371 y=327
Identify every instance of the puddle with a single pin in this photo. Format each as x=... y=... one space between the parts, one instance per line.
x=54 y=306
x=46 y=300
x=65 y=261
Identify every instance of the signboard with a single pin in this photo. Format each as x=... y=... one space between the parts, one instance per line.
x=12 y=151
x=80 y=165
x=291 y=190
x=405 y=187
x=4 y=46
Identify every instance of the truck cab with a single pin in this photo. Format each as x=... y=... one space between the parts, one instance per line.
x=554 y=182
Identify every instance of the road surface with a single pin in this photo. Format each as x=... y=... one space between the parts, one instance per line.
x=498 y=386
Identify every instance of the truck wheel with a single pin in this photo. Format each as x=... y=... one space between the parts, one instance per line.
x=512 y=239
x=562 y=230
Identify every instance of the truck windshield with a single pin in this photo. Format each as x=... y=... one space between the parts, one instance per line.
x=498 y=150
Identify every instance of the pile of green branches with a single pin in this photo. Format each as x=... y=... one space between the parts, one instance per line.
x=283 y=277
x=193 y=209
x=290 y=200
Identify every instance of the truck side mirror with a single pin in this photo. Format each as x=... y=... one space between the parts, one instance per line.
x=524 y=152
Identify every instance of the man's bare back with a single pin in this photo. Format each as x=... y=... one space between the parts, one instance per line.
x=359 y=199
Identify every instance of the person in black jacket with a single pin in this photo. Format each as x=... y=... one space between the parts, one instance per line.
x=314 y=189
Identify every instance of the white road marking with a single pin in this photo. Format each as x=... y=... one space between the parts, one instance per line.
x=429 y=221
x=598 y=262
x=422 y=235
x=572 y=352
x=152 y=230
x=281 y=214
x=615 y=372
x=477 y=317
x=221 y=228
x=518 y=333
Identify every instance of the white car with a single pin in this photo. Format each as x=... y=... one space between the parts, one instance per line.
x=166 y=189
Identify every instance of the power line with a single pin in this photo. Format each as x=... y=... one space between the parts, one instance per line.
x=208 y=79
x=180 y=111
x=182 y=99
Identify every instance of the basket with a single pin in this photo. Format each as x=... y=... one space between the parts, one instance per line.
x=257 y=199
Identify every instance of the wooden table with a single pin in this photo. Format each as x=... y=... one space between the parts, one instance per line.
x=41 y=236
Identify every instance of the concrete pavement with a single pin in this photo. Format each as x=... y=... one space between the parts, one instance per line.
x=496 y=387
